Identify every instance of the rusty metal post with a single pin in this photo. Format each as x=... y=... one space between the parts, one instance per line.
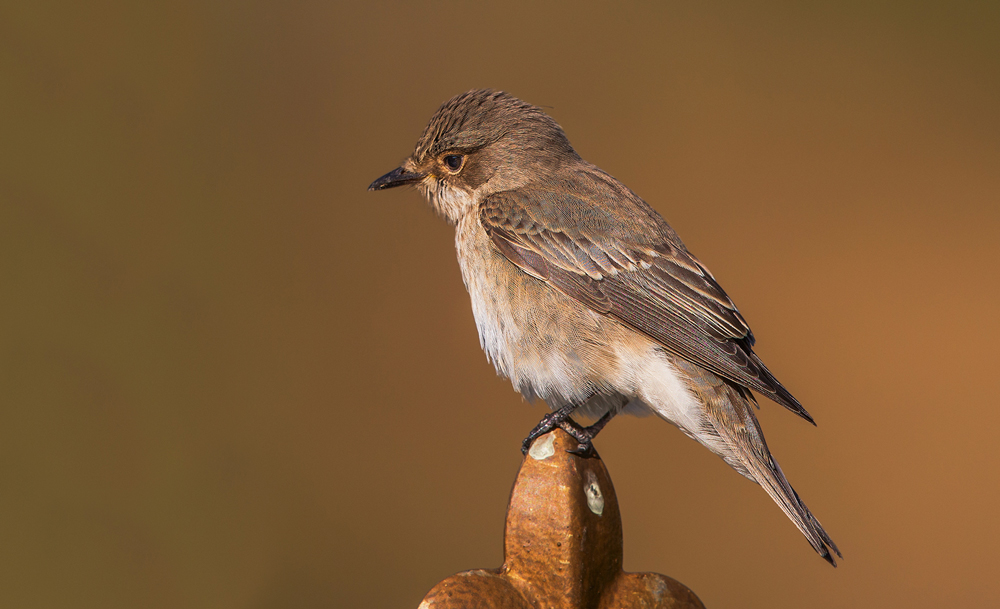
x=562 y=545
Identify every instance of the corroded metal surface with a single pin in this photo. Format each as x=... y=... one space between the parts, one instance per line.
x=562 y=545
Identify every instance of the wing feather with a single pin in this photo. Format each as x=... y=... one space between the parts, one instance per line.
x=634 y=269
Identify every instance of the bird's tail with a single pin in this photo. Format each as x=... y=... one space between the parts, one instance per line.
x=733 y=432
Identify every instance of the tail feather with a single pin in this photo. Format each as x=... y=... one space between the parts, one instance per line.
x=737 y=437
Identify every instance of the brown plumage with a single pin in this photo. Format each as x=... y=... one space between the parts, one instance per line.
x=585 y=297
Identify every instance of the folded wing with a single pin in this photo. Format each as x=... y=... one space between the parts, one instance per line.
x=633 y=268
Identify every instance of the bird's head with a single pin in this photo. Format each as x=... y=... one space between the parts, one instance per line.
x=478 y=143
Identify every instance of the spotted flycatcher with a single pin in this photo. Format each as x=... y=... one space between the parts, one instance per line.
x=585 y=297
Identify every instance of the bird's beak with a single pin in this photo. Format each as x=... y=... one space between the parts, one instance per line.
x=396 y=177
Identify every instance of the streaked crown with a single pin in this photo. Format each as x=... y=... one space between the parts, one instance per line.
x=482 y=117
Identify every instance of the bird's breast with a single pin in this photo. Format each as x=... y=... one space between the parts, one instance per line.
x=548 y=344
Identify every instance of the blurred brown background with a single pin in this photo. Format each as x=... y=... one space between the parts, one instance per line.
x=230 y=377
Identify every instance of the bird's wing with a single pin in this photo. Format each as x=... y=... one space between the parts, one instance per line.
x=630 y=266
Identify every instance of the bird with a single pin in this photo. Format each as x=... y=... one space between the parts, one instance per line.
x=586 y=298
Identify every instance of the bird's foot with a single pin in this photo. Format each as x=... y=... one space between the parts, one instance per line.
x=548 y=423
x=585 y=435
x=561 y=419
x=585 y=448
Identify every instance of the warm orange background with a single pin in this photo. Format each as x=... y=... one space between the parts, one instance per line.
x=230 y=377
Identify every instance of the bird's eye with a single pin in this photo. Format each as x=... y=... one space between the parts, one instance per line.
x=454 y=161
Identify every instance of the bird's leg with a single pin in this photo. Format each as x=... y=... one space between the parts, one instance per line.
x=585 y=435
x=561 y=419
x=548 y=423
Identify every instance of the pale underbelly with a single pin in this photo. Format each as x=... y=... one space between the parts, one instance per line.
x=554 y=348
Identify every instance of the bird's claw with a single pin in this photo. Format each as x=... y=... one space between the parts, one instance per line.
x=547 y=424
x=560 y=418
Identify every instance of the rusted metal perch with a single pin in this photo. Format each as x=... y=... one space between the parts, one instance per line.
x=562 y=545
